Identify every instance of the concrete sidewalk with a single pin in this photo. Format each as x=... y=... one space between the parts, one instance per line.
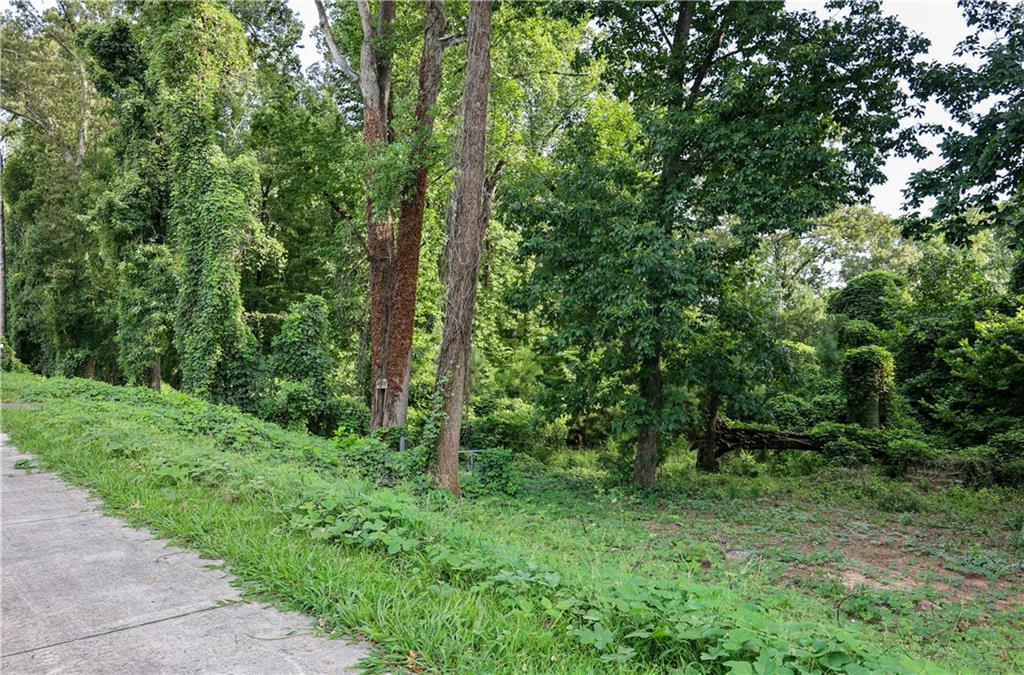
x=84 y=593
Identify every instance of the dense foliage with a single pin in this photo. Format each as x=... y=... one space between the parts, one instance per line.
x=676 y=254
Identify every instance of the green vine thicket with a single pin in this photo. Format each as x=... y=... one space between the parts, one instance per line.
x=867 y=374
x=128 y=216
x=200 y=59
x=876 y=297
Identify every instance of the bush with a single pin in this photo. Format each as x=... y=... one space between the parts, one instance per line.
x=352 y=414
x=900 y=499
x=494 y=472
x=9 y=362
x=875 y=297
x=303 y=362
x=518 y=426
x=1008 y=457
x=902 y=454
x=899 y=450
x=375 y=460
x=791 y=412
x=847 y=451
x=859 y=333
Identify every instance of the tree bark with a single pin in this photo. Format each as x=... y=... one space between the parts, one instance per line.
x=464 y=246
x=707 y=455
x=154 y=374
x=393 y=257
x=645 y=467
x=396 y=365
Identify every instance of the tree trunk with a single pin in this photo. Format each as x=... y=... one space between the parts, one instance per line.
x=393 y=257
x=729 y=439
x=90 y=369
x=464 y=246
x=707 y=455
x=396 y=364
x=646 y=465
x=154 y=374
x=866 y=412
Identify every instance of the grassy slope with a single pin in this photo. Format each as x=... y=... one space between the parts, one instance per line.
x=159 y=460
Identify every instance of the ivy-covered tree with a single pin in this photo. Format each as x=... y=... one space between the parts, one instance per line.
x=200 y=59
x=130 y=217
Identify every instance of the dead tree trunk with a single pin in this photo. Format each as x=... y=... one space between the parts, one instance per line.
x=464 y=246
x=729 y=439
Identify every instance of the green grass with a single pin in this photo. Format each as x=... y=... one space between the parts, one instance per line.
x=569 y=576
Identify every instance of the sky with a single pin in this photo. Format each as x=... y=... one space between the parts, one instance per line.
x=939 y=21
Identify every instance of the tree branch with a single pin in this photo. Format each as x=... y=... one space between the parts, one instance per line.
x=705 y=66
x=453 y=39
x=366 y=19
x=336 y=56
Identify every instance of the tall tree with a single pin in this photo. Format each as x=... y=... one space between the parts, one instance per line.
x=753 y=119
x=201 y=59
x=471 y=213
x=980 y=178
x=59 y=317
x=130 y=216
x=393 y=255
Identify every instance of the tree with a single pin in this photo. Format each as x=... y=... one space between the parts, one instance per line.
x=130 y=216
x=472 y=211
x=979 y=181
x=200 y=59
x=754 y=119
x=59 y=313
x=393 y=255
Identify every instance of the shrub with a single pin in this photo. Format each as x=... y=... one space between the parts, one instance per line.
x=974 y=465
x=867 y=374
x=303 y=363
x=494 y=472
x=791 y=412
x=902 y=454
x=1008 y=457
x=900 y=499
x=859 y=333
x=518 y=426
x=847 y=451
x=9 y=362
x=375 y=460
x=876 y=297
x=352 y=414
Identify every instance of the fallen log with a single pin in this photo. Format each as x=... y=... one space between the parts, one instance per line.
x=745 y=438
